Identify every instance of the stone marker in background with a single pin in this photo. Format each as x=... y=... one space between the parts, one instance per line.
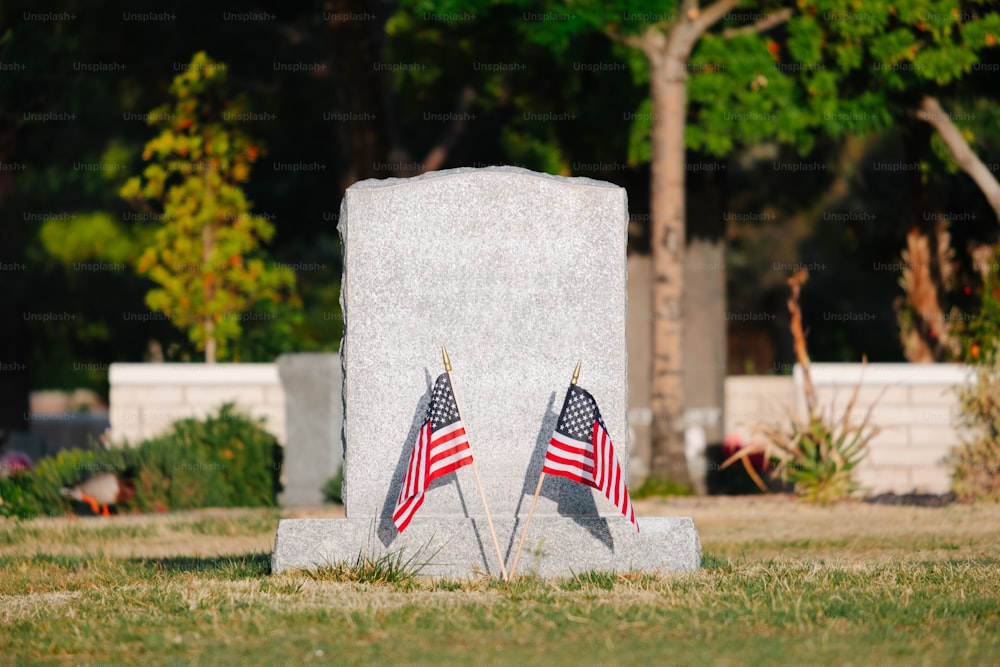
x=313 y=409
x=519 y=275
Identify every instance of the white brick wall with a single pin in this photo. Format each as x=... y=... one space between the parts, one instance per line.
x=918 y=414
x=147 y=398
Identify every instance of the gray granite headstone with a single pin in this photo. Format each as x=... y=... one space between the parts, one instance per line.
x=519 y=275
x=313 y=412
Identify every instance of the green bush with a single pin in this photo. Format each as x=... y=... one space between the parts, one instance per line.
x=659 y=486
x=28 y=494
x=333 y=489
x=976 y=463
x=225 y=460
x=816 y=455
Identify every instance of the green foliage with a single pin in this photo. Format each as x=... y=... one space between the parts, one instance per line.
x=89 y=236
x=19 y=497
x=833 y=67
x=981 y=336
x=823 y=470
x=224 y=460
x=36 y=492
x=659 y=486
x=976 y=464
x=333 y=489
x=204 y=255
x=817 y=457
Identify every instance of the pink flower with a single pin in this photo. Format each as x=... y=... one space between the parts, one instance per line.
x=13 y=461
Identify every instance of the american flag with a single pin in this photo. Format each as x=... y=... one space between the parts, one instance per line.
x=581 y=450
x=442 y=447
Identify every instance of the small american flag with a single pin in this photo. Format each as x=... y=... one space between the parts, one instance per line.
x=581 y=450
x=442 y=447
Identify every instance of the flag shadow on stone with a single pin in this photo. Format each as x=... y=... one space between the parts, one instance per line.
x=386 y=529
x=573 y=500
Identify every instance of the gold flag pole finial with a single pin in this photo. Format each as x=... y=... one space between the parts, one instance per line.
x=576 y=373
x=447 y=361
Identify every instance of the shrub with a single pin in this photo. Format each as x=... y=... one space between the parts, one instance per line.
x=660 y=486
x=333 y=489
x=976 y=464
x=225 y=460
x=32 y=493
x=816 y=456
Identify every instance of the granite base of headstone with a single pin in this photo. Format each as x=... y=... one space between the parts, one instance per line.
x=456 y=547
x=520 y=275
x=313 y=412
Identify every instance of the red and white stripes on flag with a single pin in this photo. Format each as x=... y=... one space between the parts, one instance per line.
x=581 y=450
x=442 y=447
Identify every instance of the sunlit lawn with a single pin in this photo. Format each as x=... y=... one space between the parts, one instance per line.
x=781 y=584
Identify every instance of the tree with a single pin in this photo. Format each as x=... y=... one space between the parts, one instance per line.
x=779 y=73
x=204 y=253
x=910 y=57
x=666 y=36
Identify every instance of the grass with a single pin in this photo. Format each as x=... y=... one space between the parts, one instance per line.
x=780 y=584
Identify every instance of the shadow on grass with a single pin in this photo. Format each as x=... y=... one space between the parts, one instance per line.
x=254 y=565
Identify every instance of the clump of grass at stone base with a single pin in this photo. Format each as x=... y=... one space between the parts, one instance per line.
x=816 y=456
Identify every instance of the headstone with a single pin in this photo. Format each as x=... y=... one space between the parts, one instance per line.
x=519 y=275
x=313 y=412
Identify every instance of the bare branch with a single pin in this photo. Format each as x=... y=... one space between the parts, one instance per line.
x=628 y=40
x=769 y=21
x=705 y=19
x=930 y=111
x=693 y=23
x=795 y=282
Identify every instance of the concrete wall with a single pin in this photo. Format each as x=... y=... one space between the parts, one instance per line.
x=638 y=337
x=147 y=398
x=918 y=412
x=916 y=406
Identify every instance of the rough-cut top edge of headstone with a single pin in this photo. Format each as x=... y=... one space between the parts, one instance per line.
x=497 y=169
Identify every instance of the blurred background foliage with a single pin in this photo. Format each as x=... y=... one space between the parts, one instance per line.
x=350 y=89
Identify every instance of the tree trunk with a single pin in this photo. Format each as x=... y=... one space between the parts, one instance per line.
x=363 y=131
x=668 y=82
x=207 y=243
x=928 y=339
x=925 y=332
x=209 y=341
x=930 y=111
x=667 y=53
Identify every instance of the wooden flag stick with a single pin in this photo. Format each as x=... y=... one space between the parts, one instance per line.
x=538 y=491
x=524 y=533
x=475 y=471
